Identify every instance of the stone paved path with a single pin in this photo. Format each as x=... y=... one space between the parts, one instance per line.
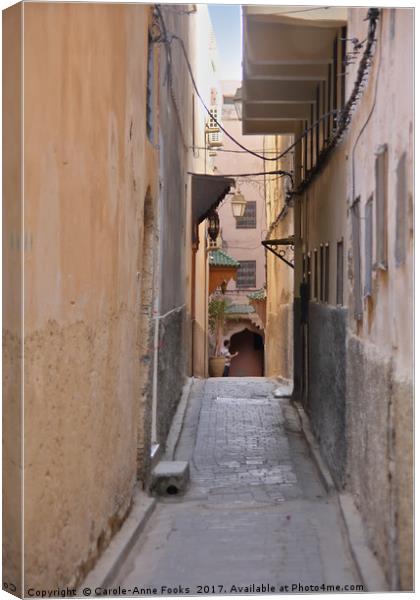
x=255 y=513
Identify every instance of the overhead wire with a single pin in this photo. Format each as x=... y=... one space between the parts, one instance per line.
x=278 y=172
x=343 y=116
x=292 y=12
x=168 y=41
x=232 y=151
x=353 y=152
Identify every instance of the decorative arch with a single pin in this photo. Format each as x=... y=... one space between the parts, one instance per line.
x=250 y=360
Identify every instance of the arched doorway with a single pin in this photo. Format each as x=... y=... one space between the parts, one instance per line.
x=250 y=361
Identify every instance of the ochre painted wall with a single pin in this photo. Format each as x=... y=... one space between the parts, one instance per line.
x=87 y=168
x=280 y=277
x=12 y=299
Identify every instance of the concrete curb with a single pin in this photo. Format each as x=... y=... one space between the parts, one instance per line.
x=107 y=567
x=369 y=569
x=110 y=562
x=178 y=422
x=313 y=446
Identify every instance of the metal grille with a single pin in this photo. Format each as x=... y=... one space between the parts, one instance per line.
x=340 y=270
x=246 y=276
x=211 y=123
x=249 y=220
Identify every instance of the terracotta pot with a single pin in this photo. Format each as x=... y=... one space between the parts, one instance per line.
x=216 y=366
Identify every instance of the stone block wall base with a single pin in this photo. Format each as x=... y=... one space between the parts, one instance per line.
x=122 y=543
x=369 y=569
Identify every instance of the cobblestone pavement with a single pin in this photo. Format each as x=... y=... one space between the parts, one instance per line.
x=255 y=513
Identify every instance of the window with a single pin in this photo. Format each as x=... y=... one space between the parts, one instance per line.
x=355 y=228
x=246 y=275
x=211 y=123
x=315 y=294
x=309 y=272
x=368 y=246
x=322 y=272
x=401 y=216
x=150 y=90
x=193 y=120
x=249 y=220
x=302 y=217
x=228 y=100
x=381 y=180
x=340 y=269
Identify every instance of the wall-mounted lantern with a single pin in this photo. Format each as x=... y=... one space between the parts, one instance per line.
x=213 y=227
x=238 y=204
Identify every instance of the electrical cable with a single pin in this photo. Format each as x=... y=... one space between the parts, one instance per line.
x=353 y=151
x=168 y=43
x=292 y=12
x=344 y=115
x=278 y=172
x=232 y=151
x=347 y=112
x=168 y=78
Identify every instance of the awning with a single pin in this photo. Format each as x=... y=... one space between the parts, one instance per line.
x=207 y=193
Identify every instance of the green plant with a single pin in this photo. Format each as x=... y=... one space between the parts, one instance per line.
x=217 y=313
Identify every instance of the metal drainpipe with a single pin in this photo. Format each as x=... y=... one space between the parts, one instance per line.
x=154 y=385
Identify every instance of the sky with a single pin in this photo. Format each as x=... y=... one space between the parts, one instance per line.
x=226 y=19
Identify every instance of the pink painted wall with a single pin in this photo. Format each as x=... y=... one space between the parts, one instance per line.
x=242 y=244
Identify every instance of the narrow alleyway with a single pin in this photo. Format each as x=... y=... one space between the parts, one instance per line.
x=255 y=512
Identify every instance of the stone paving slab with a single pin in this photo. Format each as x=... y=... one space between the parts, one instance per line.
x=255 y=511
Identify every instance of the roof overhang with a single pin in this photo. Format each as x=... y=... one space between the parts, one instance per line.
x=287 y=52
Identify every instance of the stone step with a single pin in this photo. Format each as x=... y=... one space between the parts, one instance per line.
x=169 y=478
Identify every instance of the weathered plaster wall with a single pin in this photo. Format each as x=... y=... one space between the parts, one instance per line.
x=385 y=332
x=379 y=345
x=200 y=323
x=280 y=277
x=327 y=383
x=205 y=61
x=174 y=248
x=88 y=166
x=171 y=369
x=370 y=444
x=12 y=300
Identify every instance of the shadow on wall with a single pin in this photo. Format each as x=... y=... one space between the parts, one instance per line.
x=250 y=362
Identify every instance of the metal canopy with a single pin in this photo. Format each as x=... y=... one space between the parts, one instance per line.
x=207 y=192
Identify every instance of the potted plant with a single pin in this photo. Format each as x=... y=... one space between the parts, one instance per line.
x=217 y=312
